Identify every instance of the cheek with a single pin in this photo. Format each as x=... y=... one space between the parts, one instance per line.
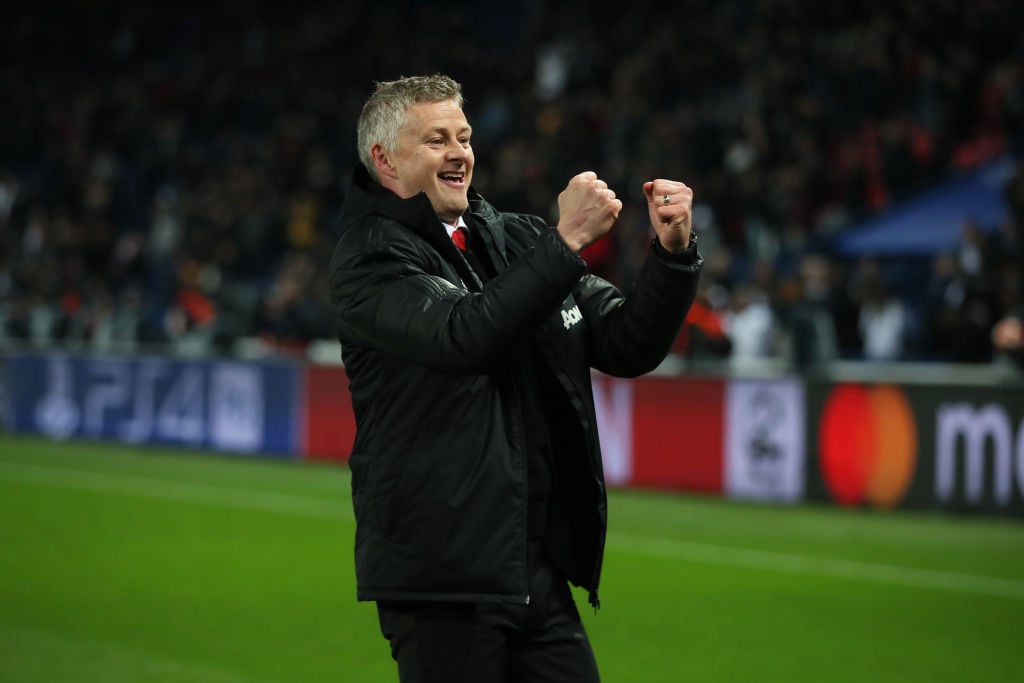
x=422 y=175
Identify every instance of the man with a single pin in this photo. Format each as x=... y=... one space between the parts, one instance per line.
x=468 y=335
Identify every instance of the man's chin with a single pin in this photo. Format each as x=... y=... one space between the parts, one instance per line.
x=450 y=212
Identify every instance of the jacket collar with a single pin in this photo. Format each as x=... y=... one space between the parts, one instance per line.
x=367 y=197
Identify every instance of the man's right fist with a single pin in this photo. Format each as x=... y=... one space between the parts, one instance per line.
x=586 y=210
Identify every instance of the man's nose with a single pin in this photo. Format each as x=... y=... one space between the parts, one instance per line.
x=457 y=150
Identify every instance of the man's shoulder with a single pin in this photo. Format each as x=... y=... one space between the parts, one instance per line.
x=371 y=234
x=485 y=211
x=519 y=229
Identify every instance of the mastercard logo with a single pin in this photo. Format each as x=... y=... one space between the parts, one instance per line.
x=867 y=445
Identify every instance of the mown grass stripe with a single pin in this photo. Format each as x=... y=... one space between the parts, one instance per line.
x=177 y=491
x=247 y=499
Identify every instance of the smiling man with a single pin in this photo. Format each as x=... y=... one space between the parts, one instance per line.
x=468 y=335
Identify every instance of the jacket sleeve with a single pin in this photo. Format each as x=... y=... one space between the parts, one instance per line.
x=388 y=293
x=630 y=335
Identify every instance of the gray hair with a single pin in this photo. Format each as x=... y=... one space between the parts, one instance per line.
x=384 y=113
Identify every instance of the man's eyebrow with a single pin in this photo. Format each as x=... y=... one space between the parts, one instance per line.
x=440 y=130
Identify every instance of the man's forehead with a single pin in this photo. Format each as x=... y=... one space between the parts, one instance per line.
x=445 y=109
x=439 y=116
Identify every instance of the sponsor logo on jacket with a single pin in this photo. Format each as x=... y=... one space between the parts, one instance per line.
x=571 y=317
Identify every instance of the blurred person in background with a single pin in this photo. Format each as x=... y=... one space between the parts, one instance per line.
x=805 y=299
x=749 y=323
x=883 y=317
x=468 y=335
x=1008 y=340
x=1008 y=331
x=963 y=300
x=702 y=339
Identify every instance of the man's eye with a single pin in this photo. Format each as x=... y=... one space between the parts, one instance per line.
x=464 y=142
x=434 y=141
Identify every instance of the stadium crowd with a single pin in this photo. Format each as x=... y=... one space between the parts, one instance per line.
x=173 y=176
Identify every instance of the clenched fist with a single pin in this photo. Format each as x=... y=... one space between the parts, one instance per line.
x=670 y=204
x=586 y=210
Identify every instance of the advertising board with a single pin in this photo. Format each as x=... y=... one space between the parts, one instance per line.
x=958 y=448
x=242 y=407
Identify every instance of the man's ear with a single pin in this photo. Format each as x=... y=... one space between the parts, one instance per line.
x=382 y=161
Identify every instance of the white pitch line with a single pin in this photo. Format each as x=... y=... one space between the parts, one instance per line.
x=177 y=491
x=243 y=499
x=820 y=566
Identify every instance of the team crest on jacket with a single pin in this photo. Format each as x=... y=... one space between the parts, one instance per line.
x=571 y=317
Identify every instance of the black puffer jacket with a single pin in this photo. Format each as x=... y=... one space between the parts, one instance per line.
x=438 y=467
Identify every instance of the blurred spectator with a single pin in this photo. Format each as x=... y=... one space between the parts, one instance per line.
x=1008 y=340
x=805 y=300
x=702 y=339
x=974 y=256
x=121 y=326
x=750 y=326
x=964 y=299
x=883 y=319
x=945 y=292
x=295 y=310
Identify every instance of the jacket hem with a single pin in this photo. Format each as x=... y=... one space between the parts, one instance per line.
x=371 y=595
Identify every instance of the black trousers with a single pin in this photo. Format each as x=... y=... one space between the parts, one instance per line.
x=543 y=642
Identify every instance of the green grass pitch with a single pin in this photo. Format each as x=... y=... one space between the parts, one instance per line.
x=134 y=565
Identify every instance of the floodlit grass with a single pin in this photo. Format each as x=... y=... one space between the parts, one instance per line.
x=143 y=565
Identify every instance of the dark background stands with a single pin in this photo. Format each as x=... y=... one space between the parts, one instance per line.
x=172 y=173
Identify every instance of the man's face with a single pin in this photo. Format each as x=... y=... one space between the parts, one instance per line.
x=434 y=156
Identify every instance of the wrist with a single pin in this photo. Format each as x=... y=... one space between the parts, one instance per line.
x=678 y=246
x=686 y=255
x=575 y=244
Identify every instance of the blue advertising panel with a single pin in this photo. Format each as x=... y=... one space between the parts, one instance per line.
x=239 y=406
